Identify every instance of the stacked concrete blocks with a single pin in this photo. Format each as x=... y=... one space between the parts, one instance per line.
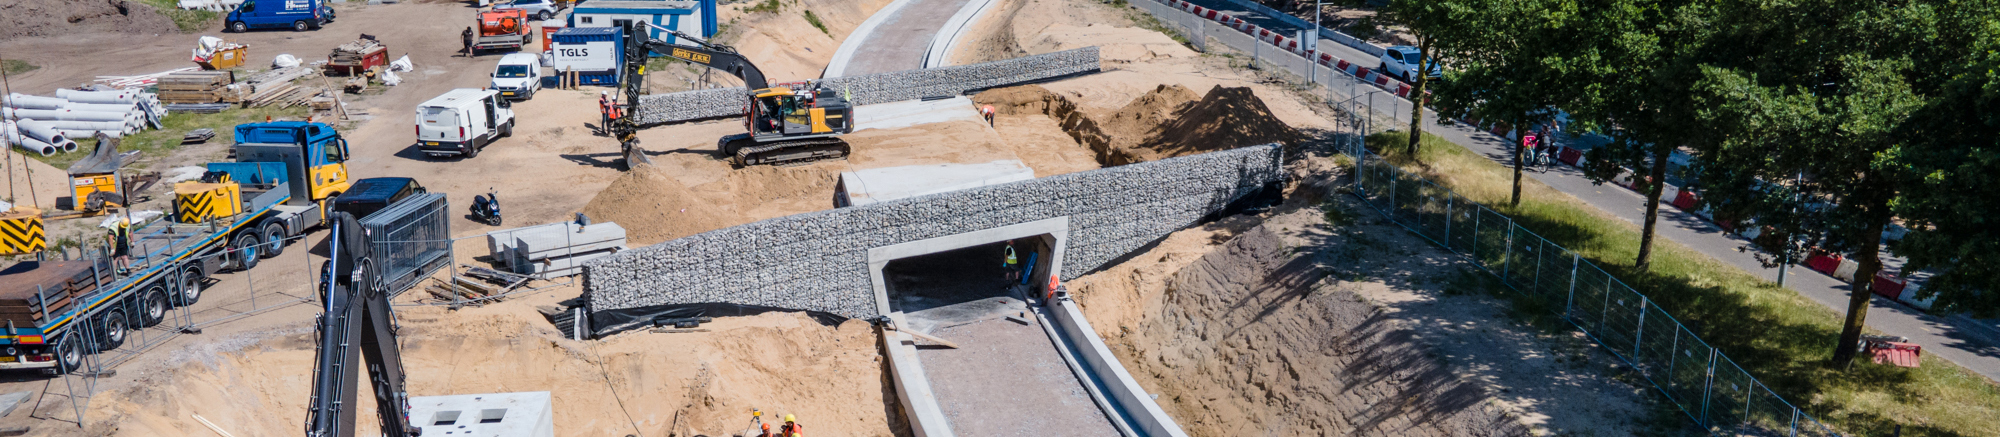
x=819 y=261
x=882 y=88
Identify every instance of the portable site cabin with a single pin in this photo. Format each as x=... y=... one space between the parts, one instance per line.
x=862 y=187
x=692 y=17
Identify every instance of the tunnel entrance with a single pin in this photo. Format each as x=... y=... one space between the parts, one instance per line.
x=961 y=285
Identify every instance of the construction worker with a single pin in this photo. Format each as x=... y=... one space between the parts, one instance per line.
x=121 y=244
x=792 y=428
x=1013 y=264
x=604 y=111
x=467 y=37
x=767 y=431
x=986 y=111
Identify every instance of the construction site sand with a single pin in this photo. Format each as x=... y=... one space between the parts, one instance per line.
x=783 y=43
x=26 y=18
x=48 y=182
x=636 y=383
x=1166 y=122
x=1262 y=375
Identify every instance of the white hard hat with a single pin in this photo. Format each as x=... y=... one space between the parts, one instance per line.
x=603 y=93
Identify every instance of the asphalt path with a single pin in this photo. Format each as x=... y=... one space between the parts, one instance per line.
x=1972 y=343
x=901 y=41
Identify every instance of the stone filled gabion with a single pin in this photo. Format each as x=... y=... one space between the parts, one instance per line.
x=819 y=261
x=881 y=88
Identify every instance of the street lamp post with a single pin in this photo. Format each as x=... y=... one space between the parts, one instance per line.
x=1312 y=63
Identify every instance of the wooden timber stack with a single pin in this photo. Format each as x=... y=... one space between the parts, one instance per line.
x=195 y=86
x=556 y=249
x=267 y=87
x=357 y=56
x=36 y=288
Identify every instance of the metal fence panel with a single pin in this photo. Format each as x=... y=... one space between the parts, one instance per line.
x=412 y=239
x=1709 y=387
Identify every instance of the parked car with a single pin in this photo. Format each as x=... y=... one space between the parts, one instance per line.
x=540 y=9
x=1399 y=61
x=518 y=76
x=375 y=194
x=299 y=15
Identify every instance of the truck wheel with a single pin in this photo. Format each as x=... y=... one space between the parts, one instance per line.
x=114 y=331
x=507 y=129
x=300 y=26
x=274 y=240
x=246 y=250
x=153 y=306
x=69 y=354
x=543 y=16
x=472 y=150
x=190 y=286
x=238 y=27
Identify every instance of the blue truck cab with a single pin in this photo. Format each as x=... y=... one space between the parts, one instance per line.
x=299 y=15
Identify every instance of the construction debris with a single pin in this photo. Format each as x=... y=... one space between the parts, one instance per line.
x=198 y=136
x=355 y=57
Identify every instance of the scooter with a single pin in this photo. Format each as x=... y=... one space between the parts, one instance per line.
x=486 y=208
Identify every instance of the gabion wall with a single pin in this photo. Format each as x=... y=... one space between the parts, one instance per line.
x=819 y=261
x=882 y=88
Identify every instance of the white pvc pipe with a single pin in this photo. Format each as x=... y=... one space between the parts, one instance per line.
x=67 y=146
x=103 y=107
x=90 y=125
x=65 y=115
x=41 y=131
x=79 y=133
x=37 y=146
x=18 y=100
x=118 y=96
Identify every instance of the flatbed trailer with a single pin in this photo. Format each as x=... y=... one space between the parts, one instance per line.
x=242 y=212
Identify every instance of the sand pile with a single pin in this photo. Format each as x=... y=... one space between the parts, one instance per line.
x=1163 y=123
x=783 y=43
x=655 y=204
x=28 y=18
x=1226 y=118
x=635 y=383
x=1252 y=335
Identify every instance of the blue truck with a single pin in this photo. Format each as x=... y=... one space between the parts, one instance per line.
x=284 y=176
x=299 y=15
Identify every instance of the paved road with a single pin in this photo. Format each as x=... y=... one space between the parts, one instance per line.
x=899 y=43
x=1974 y=344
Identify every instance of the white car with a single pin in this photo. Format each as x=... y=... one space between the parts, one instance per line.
x=1399 y=61
x=538 y=9
x=518 y=76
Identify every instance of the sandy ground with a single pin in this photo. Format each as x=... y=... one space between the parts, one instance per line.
x=251 y=375
x=47 y=182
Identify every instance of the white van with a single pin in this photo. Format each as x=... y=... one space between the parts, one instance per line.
x=462 y=121
x=518 y=76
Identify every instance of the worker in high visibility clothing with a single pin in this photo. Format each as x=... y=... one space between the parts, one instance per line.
x=121 y=245
x=1013 y=264
x=792 y=428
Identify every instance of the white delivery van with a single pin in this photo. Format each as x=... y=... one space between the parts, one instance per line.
x=462 y=121
x=518 y=76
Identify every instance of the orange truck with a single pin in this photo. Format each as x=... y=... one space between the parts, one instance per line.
x=503 y=29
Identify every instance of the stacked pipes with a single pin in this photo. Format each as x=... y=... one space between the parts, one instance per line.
x=45 y=125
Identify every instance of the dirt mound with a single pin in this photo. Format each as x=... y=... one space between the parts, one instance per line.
x=644 y=383
x=1226 y=118
x=31 y=18
x=654 y=206
x=1163 y=123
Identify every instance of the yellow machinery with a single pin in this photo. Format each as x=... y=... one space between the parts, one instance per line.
x=197 y=202
x=21 y=232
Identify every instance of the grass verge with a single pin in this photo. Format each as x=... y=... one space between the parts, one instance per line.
x=186 y=20
x=158 y=143
x=1775 y=334
x=814 y=19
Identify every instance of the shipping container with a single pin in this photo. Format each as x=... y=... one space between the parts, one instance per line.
x=595 y=53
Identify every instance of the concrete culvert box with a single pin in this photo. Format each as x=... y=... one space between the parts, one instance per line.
x=521 y=414
x=862 y=187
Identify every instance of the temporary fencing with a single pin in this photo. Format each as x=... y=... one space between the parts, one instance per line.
x=1708 y=386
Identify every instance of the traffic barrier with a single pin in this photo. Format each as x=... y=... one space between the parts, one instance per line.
x=1402 y=90
x=1887 y=285
x=1845 y=271
x=1823 y=262
x=1685 y=200
x=1572 y=156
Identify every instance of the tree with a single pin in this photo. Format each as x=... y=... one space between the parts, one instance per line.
x=1950 y=161
x=1511 y=62
x=1806 y=98
x=1429 y=21
x=1651 y=50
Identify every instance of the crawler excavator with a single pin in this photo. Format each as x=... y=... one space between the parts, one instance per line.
x=788 y=123
x=357 y=333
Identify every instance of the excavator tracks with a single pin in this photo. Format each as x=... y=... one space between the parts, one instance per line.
x=745 y=152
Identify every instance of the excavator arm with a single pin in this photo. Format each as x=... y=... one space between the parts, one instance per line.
x=639 y=45
x=356 y=333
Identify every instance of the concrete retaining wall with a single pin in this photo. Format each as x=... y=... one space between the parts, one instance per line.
x=882 y=88
x=819 y=261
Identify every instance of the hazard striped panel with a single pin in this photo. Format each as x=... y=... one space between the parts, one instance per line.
x=21 y=232
x=197 y=202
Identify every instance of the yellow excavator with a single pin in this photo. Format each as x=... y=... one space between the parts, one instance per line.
x=788 y=123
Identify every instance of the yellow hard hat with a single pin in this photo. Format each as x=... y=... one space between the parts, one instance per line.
x=789 y=418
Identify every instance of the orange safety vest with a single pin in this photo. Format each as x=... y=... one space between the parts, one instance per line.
x=793 y=429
